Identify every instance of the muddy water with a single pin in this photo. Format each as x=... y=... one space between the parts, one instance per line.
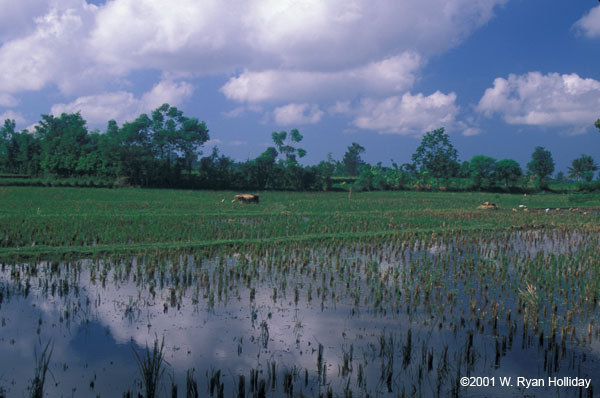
x=377 y=334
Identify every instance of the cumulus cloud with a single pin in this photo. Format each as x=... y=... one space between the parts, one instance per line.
x=272 y=51
x=544 y=100
x=122 y=105
x=408 y=114
x=167 y=91
x=340 y=107
x=78 y=46
x=53 y=52
x=392 y=74
x=17 y=17
x=209 y=36
x=589 y=24
x=297 y=114
x=242 y=110
x=8 y=100
x=12 y=115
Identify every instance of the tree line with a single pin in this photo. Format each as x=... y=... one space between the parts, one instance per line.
x=164 y=149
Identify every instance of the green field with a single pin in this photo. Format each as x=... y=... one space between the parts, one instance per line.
x=312 y=294
x=40 y=221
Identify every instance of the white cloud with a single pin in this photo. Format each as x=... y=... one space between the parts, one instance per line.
x=235 y=112
x=297 y=114
x=167 y=91
x=211 y=35
x=122 y=105
x=52 y=53
x=392 y=74
x=78 y=46
x=342 y=107
x=100 y=108
x=241 y=110
x=17 y=17
x=277 y=51
x=589 y=24
x=10 y=114
x=8 y=100
x=409 y=114
x=544 y=100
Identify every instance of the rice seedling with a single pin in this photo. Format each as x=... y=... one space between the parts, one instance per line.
x=448 y=288
x=191 y=385
x=42 y=362
x=151 y=366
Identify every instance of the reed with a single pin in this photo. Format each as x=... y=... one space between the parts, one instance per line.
x=151 y=366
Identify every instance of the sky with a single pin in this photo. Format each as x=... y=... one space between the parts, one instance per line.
x=501 y=76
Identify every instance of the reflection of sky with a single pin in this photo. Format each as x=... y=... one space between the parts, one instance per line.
x=95 y=343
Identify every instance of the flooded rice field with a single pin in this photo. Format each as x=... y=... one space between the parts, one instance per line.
x=398 y=318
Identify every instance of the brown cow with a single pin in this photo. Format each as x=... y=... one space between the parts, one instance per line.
x=488 y=206
x=246 y=198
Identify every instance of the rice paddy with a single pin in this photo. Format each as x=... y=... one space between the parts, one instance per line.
x=174 y=293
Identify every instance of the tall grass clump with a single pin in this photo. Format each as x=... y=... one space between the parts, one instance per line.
x=42 y=362
x=151 y=366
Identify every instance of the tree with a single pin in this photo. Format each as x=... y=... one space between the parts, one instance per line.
x=286 y=148
x=63 y=139
x=436 y=156
x=23 y=153
x=541 y=164
x=352 y=161
x=176 y=137
x=7 y=131
x=325 y=170
x=597 y=124
x=481 y=169
x=261 y=171
x=583 y=168
x=216 y=171
x=508 y=171
x=136 y=160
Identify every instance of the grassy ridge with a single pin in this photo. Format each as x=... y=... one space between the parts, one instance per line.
x=35 y=221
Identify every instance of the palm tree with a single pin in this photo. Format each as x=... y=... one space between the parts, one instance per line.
x=583 y=168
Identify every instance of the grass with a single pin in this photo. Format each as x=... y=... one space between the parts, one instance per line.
x=151 y=367
x=40 y=221
x=42 y=362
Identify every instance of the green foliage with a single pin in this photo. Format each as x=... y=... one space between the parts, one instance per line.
x=481 y=169
x=435 y=156
x=583 y=168
x=597 y=124
x=382 y=178
x=87 y=221
x=64 y=140
x=508 y=172
x=261 y=170
x=216 y=171
x=325 y=170
x=352 y=161
x=285 y=147
x=541 y=165
x=147 y=151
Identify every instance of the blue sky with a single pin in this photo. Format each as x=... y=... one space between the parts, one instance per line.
x=502 y=76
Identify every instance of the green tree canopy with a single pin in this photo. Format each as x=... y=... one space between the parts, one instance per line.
x=352 y=161
x=284 y=143
x=63 y=140
x=541 y=164
x=583 y=168
x=177 y=137
x=507 y=171
x=481 y=169
x=435 y=155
